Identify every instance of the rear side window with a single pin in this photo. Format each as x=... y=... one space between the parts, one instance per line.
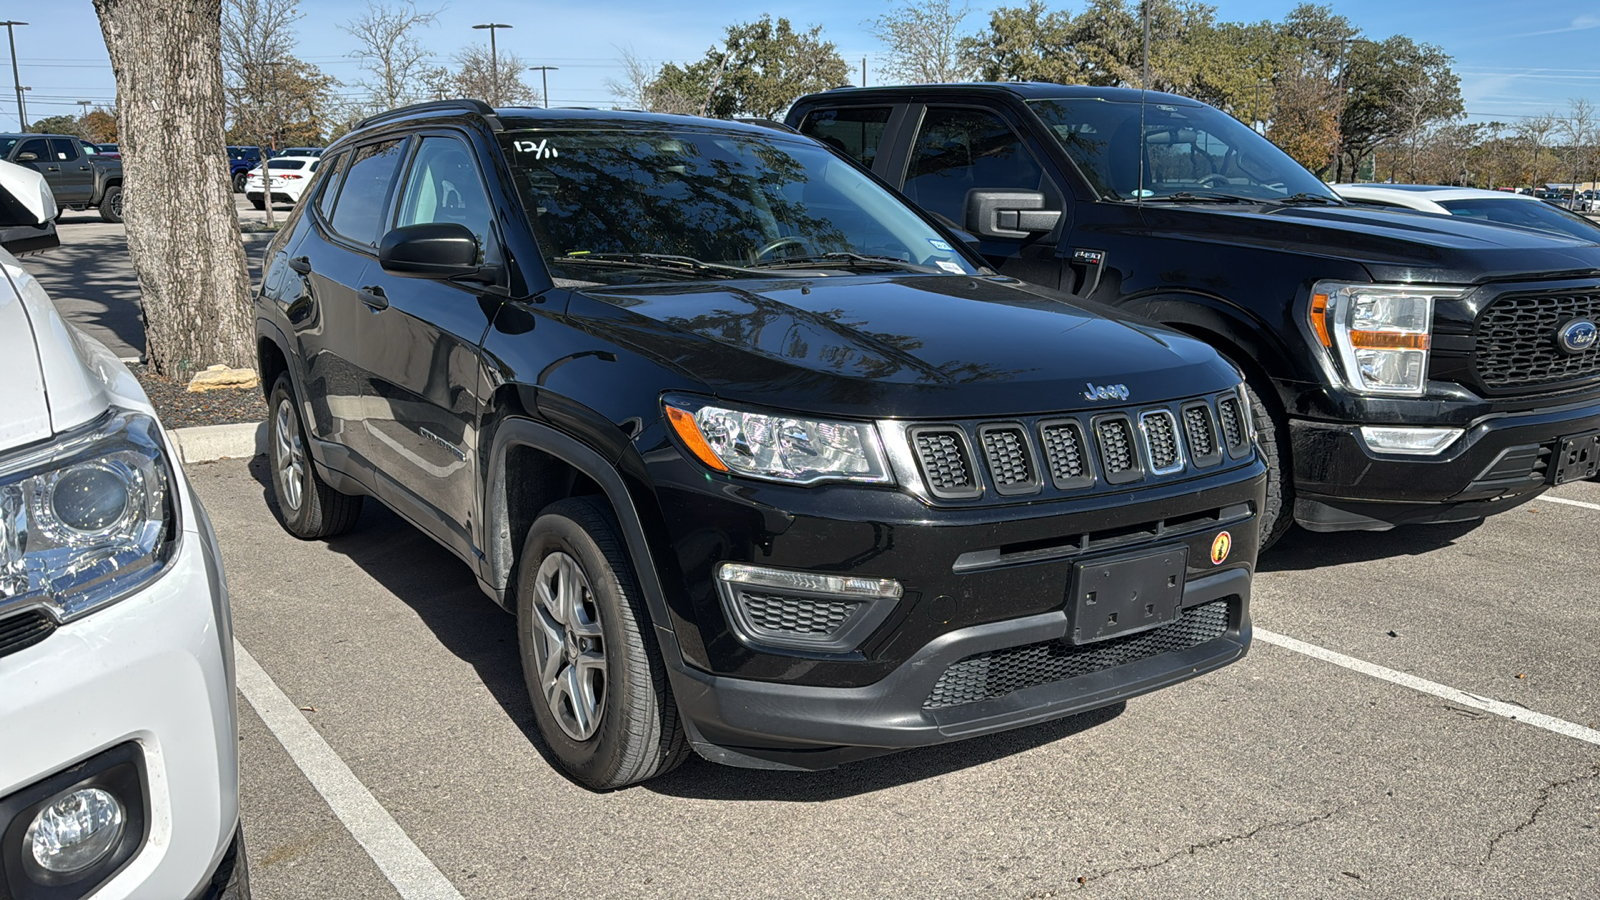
x=855 y=132
x=358 y=212
x=958 y=150
x=63 y=149
x=330 y=185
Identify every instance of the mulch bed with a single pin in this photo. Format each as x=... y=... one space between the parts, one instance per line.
x=180 y=408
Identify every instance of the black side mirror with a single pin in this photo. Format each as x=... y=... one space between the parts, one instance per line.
x=1008 y=214
x=430 y=250
x=27 y=156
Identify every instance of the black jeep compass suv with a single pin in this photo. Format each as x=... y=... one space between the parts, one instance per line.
x=763 y=463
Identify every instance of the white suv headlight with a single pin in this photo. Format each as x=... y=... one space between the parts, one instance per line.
x=86 y=518
x=778 y=446
x=1375 y=337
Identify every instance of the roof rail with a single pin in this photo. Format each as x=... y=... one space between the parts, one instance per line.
x=434 y=106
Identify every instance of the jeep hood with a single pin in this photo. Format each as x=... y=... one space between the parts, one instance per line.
x=914 y=346
x=1393 y=246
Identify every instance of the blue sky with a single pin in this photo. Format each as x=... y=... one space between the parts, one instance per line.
x=1514 y=59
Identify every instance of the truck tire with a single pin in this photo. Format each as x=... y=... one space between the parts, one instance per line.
x=238 y=182
x=111 y=204
x=308 y=507
x=593 y=670
x=1272 y=434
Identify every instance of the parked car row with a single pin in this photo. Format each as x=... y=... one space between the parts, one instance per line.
x=943 y=410
x=245 y=162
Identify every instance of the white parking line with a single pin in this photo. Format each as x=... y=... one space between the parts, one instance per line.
x=407 y=867
x=1549 y=499
x=1454 y=695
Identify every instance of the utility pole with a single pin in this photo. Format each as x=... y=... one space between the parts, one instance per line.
x=544 y=78
x=494 y=60
x=85 y=104
x=16 y=79
x=863 y=71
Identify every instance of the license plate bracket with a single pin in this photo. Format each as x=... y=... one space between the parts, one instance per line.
x=1577 y=458
x=1123 y=596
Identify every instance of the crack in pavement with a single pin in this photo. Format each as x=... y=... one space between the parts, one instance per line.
x=1192 y=849
x=1538 y=808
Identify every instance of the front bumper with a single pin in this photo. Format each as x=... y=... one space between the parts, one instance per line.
x=1501 y=461
x=154 y=671
x=977 y=582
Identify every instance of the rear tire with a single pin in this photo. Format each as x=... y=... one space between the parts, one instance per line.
x=238 y=182
x=593 y=670
x=307 y=506
x=258 y=202
x=111 y=205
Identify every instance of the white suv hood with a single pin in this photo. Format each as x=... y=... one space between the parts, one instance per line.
x=52 y=378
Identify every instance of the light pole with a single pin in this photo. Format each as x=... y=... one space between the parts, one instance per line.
x=544 y=78
x=16 y=79
x=494 y=60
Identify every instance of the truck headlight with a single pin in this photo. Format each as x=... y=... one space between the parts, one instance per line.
x=86 y=518
x=778 y=446
x=1375 y=337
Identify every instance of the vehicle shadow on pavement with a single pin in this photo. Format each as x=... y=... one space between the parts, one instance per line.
x=443 y=593
x=77 y=276
x=1301 y=550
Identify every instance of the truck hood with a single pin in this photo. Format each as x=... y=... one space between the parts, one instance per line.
x=52 y=376
x=1393 y=246
x=913 y=346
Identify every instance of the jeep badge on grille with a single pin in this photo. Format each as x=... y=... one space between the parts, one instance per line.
x=1106 y=392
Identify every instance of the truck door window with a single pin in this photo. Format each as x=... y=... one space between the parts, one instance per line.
x=63 y=149
x=959 y=149
x=856 y=132
x=38 y=148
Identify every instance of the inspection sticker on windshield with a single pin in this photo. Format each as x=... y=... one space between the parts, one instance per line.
x=939 y=245
x=950 y=267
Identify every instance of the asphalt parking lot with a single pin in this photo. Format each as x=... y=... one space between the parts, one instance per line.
x=1417 y=718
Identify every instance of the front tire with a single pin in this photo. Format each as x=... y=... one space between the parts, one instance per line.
x=308 y=507
x=258 y=202
x=596 y=678
x=238 y=182
x=1272 y=436
x=111 y=205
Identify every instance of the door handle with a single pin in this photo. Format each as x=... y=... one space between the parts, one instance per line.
x=373 y=297
x=52 y=168
x=301 y=265
x=83 y=168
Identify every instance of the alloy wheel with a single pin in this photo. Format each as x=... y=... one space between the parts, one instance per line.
x=291 y=455
x=569 y=646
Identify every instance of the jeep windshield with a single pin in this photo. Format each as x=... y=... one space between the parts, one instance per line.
x=621 y=207
x=1189 y=154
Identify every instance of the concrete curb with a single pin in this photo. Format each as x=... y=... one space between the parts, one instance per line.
x=206 y=443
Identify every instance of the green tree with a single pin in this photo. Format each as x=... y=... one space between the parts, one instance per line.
x=56 y=125
x=1027 y=43
x=759 y=70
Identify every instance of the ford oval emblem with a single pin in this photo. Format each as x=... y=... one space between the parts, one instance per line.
x=1577 y=336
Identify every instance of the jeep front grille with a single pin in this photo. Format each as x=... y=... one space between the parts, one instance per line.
x=1516 y=342
x=800 y=615
x=1069 y=453
x=991 y=675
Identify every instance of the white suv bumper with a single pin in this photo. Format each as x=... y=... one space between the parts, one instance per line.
x=155 y=670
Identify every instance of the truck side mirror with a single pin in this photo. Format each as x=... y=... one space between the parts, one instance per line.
x=1008 y=214
x=27 y=156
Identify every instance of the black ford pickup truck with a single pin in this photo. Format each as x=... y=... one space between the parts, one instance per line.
x=764 y=462
x=1405 y=368
x=79 y=175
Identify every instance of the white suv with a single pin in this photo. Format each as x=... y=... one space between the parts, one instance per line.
x=119 y=748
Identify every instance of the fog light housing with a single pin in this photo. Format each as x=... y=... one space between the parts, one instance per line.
x=75 y=832
x=811 y=611
x=1409 y=441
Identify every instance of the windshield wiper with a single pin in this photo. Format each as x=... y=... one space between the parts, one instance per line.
x=1205 y=197
x=664 y=261
x=836 y=260
x=1304 y=197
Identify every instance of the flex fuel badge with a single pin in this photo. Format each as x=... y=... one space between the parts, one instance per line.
x=1220 y=545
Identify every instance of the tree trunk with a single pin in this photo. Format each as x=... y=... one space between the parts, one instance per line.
x=183 y=230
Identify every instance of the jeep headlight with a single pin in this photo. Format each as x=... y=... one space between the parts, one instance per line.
x=86 y=518
x=778 y=446
x=1375 y=337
